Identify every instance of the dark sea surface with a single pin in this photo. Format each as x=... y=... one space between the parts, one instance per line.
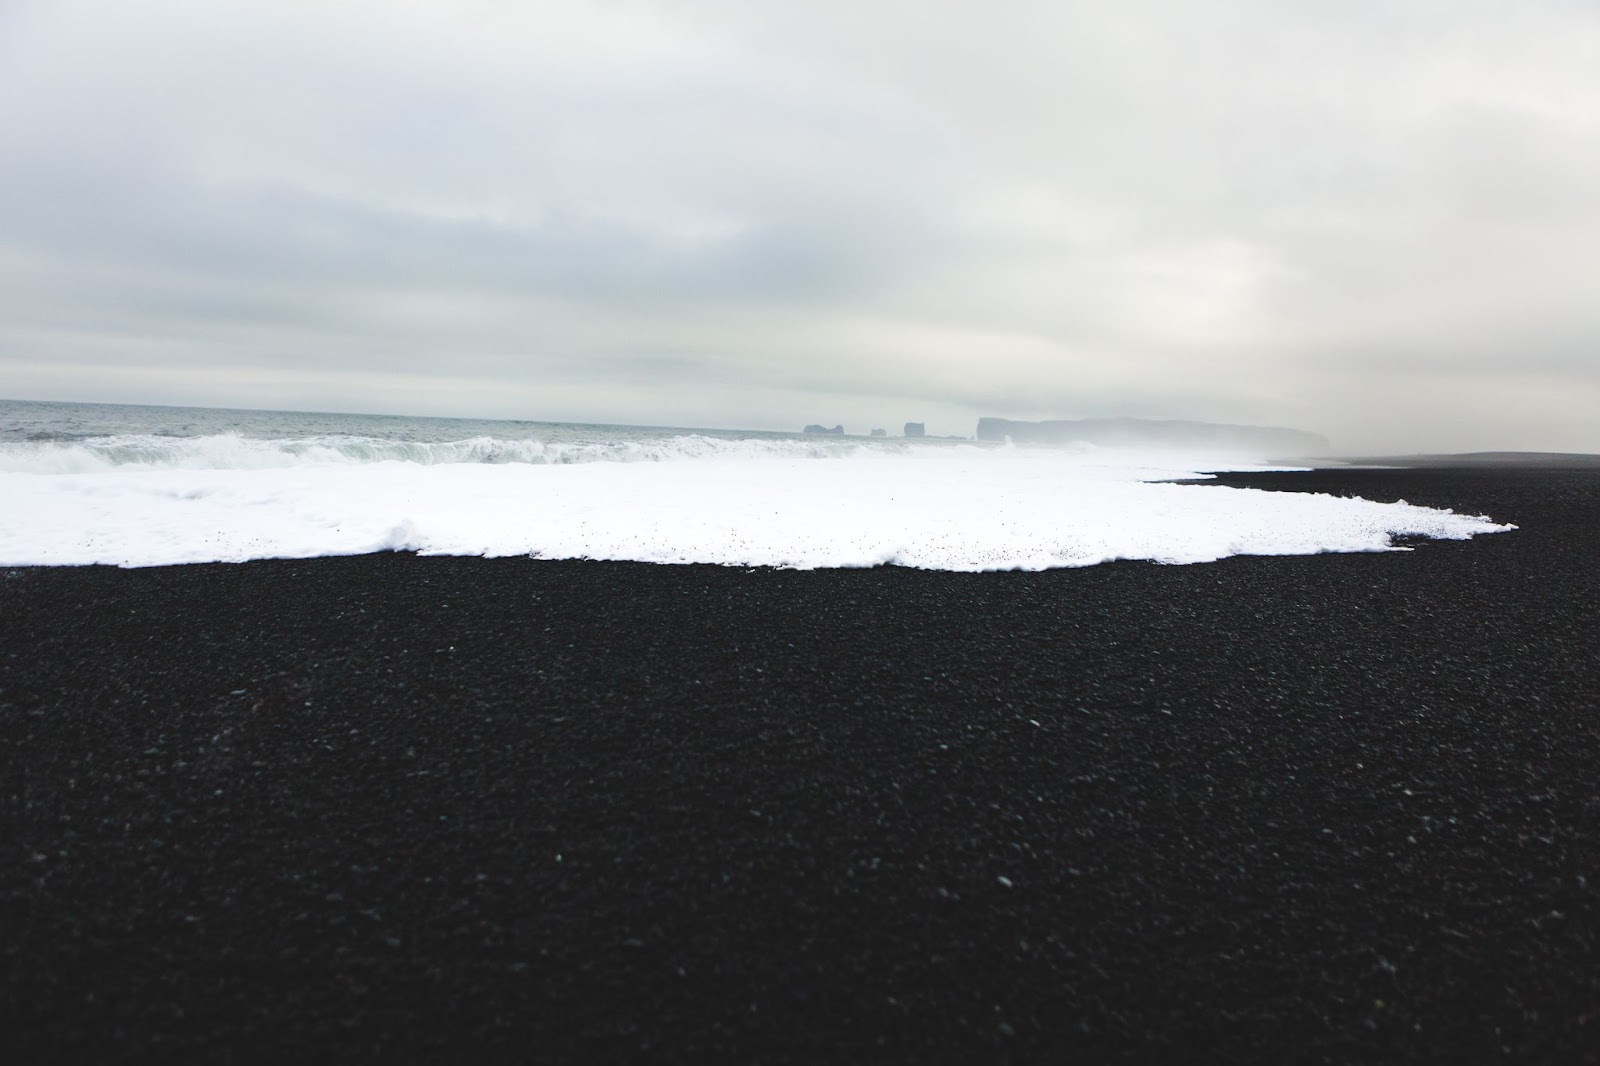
x=38 y=421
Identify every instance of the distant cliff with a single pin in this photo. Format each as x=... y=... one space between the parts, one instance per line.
x=836 y=431
x=1141 y=432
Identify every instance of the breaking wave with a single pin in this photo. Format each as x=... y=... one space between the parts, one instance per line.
x=230 y=451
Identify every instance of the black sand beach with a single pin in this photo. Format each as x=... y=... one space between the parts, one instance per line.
x=1341 y=808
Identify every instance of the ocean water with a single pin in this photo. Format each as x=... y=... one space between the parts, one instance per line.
x=56 y=438
x=141 y=486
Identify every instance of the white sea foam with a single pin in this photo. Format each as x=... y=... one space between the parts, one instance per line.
x=749 y=502
x=229 y=451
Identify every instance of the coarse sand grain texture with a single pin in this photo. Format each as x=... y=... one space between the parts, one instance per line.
x=391 y=808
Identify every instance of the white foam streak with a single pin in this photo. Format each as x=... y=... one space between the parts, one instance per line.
x=232 y=452
x=949 y=508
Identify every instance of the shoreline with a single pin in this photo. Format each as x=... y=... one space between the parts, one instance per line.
x=390 y=807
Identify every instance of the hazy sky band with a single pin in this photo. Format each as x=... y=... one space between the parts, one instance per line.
x=1377 y=221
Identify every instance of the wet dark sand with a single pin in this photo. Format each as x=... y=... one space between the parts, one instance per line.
x=1339 y=808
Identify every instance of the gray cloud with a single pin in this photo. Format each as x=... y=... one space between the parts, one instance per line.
x=1376 y=221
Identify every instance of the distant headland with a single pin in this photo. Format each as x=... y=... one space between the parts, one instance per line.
x=1128 y=433
x=1135 y=432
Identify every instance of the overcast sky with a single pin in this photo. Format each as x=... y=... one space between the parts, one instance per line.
x=1374 y=219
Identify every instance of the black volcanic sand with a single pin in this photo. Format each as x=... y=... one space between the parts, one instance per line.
x=1337 y=808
